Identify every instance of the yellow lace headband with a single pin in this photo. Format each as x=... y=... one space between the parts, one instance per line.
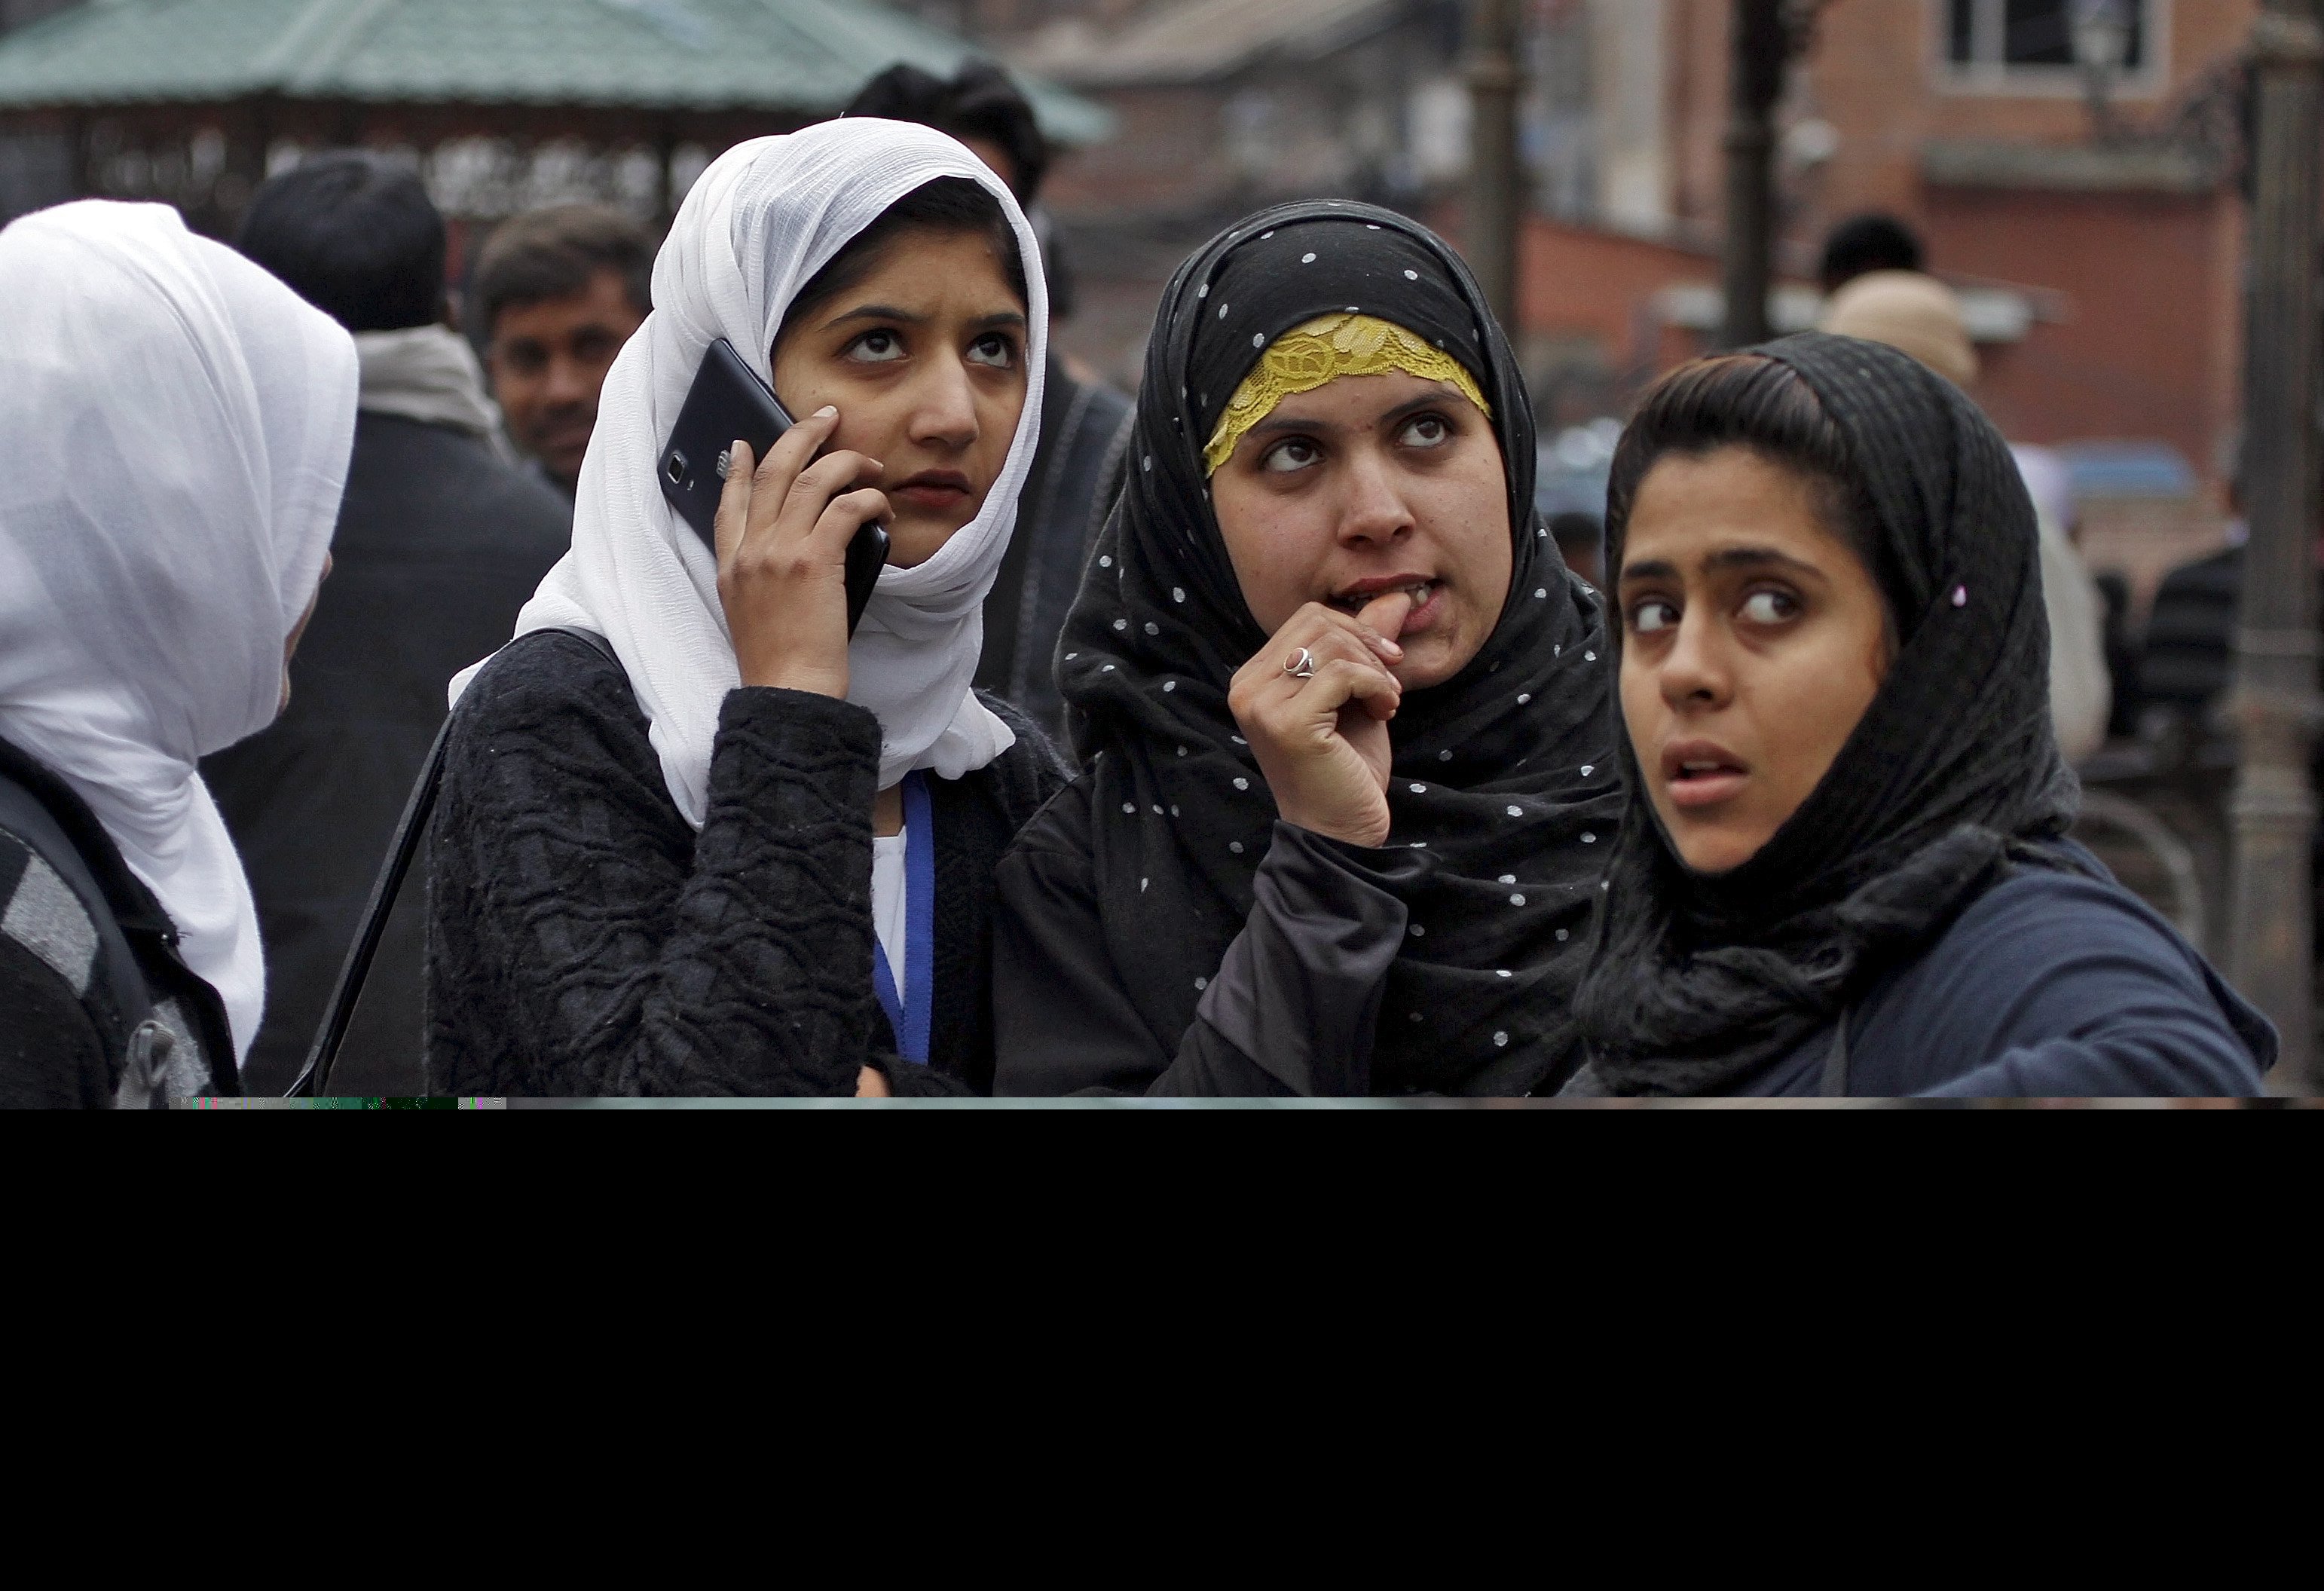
x=1325 y=349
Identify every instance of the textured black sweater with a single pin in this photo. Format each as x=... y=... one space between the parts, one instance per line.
x=582 y=940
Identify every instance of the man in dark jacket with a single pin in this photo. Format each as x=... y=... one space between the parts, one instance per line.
x=441 y=541
x=1084 y=423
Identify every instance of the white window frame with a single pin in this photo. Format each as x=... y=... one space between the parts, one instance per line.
x=2150 y=81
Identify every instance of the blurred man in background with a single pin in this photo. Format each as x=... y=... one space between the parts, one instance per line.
x=2189 y=659
x=439 y=542
x=555 y=295
x=1083 y=421
x=1865 y=244
x=2081 y=680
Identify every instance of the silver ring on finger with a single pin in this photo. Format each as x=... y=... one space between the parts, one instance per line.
x=1302 y=665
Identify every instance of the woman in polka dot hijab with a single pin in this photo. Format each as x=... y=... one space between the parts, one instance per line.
x=1500 y=800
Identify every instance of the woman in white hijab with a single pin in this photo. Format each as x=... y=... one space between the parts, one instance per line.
x=730 y=850
x=174 y=433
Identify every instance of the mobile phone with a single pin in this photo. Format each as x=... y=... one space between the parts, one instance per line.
x=726 y=403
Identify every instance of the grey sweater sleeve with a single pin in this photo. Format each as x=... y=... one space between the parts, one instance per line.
x=1297 y=995
x=1290 y=1010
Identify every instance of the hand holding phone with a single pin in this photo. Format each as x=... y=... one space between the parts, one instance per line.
x=727 y=403
x=786 y=533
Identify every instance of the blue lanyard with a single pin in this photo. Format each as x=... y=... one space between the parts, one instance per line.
x=910 y=1018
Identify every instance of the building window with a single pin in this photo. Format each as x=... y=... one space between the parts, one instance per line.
x=2030 y=44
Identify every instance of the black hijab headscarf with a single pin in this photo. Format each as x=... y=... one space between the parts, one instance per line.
x=1698 y=981
x=1503 y=797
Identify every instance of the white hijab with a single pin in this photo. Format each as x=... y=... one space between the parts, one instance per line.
x=758 y=224
x=174 y=432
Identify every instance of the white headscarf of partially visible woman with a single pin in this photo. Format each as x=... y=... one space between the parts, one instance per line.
x=754 y=229
x=175 y=426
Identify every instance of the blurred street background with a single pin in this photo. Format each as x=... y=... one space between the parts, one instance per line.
x=2096 y=238
x=1639 y=181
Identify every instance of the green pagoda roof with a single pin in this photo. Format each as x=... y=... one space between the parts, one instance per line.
x=805 y=56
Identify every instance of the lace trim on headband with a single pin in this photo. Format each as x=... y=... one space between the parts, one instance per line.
x=1325 y=349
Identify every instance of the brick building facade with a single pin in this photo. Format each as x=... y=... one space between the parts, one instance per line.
x=1221 y=106
x=2124 y=253
x=2097 y=247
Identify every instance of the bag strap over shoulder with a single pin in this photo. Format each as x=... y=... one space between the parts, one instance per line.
x=604 y=647
x=314 y=1078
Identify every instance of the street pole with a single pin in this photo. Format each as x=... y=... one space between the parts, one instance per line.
x=2274 y=704
x=1495 y=184
x=1756 y=53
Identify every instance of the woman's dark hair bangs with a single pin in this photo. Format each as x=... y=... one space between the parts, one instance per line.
x=951 y=205
x=1751 y=400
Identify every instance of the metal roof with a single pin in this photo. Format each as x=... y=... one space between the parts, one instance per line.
x=793 y=55
x=1195 y=40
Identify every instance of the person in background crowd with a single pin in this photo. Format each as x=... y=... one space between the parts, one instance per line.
x=710 y=844
x=2187 y=660
x=1844 y=868
x=1082 y=420
x=439 y=543
x=2081 y=686
x=1909 y=310
x=1865 y=244
x=1346 y=717
x=2123 y=640
x=174 y=427
x=2185 y=667
x=555 y=295
x=1923 y=317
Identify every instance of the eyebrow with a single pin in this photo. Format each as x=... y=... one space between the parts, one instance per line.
x=876 y=312
x=1005 y=318
x=1428 y=400
x=1279 y=421
x=1728 y=557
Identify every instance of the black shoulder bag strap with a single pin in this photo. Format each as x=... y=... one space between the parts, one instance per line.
x=314 y=1078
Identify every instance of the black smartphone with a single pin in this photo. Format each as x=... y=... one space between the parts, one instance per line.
x=728 y=403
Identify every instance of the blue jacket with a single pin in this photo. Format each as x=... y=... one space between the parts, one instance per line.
x=2047 y=984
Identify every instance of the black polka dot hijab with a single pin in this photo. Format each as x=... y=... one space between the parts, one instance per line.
x=1952 y=774
x=1504 y=800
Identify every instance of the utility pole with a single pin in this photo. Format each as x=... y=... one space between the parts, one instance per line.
x=1496 y=181
x=2102 y=45
x=2275 y=703
x=1757 y=49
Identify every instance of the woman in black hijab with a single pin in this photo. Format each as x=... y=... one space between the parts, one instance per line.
x=1260 y=884
x=1844 y=868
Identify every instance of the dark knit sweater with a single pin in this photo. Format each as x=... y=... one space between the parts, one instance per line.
x=582 y=940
